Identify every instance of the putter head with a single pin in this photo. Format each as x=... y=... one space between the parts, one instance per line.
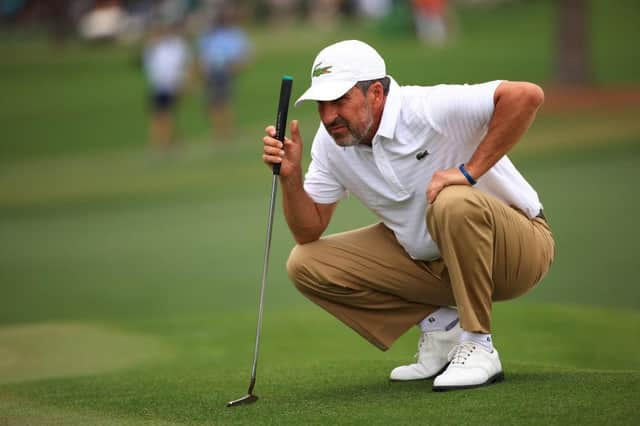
x=247 y=399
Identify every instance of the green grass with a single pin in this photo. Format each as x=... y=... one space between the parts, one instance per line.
x=128 y=287
x=314 y=371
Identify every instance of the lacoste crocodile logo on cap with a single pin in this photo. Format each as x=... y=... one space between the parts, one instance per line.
x=319 y=70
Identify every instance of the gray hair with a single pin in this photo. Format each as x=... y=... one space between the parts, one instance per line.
x=365 y=84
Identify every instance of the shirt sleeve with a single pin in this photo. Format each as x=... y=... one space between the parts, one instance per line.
x=461 y=112
x=319 y=182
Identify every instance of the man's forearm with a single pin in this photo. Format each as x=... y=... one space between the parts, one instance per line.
x=301 y=212
x=514 y=112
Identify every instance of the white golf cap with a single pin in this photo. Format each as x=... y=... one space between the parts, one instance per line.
x=338 y=67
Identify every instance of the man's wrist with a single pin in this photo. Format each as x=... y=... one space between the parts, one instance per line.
x=467 y=175
x=292 y=178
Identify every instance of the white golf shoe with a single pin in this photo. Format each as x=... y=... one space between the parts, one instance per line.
x=432 y=356
x=471 y=366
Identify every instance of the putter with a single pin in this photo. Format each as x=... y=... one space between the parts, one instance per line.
x=281 y=124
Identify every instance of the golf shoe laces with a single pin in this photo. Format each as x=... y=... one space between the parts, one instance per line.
x=461 y=352
x=421 y=343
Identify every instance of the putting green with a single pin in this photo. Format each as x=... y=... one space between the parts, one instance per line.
x=315 y=369
x=48 y=350
x=17 y=411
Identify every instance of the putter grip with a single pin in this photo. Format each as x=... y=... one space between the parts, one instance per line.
x=283 y=111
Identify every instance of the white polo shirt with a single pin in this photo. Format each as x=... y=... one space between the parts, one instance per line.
x=422 y=130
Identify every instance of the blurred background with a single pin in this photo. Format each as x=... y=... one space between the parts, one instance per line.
x=108 y=65
x=131 y=132
x=132 y=191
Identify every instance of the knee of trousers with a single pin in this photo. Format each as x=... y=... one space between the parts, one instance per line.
x=298 y=266
x=454 y=205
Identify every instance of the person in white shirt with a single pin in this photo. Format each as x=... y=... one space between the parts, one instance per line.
x=459 y=227
x=166 y=63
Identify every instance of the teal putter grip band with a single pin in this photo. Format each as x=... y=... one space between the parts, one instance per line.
x=283 y=111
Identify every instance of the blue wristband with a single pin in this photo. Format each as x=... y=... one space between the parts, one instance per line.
x=466 y=174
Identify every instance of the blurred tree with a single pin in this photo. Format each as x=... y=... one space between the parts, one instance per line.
x=571 y=64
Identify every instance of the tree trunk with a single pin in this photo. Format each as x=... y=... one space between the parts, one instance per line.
x=571 y=50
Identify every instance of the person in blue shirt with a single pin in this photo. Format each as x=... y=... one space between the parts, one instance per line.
x=224 y=50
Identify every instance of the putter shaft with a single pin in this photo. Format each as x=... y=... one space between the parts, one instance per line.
x=281 y=122
x=250 y=397
x=265 y=270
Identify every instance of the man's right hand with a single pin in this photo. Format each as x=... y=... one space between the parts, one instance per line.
x=306 y=219
x=289 y=156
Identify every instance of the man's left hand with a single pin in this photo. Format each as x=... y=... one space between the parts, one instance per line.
x=443 y=178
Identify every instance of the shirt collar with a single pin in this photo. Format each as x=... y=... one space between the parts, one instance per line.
x=391 y=112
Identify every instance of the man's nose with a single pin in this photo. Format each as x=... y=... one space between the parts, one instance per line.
x=328 y=112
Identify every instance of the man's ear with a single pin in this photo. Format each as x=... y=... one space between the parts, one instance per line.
x=377 y=91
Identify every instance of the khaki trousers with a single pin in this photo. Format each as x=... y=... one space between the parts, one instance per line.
x=489 y=251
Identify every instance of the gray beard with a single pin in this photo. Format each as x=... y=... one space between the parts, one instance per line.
x=356 y=137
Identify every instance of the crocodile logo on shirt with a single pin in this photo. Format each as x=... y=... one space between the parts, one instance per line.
x=319 y=70
x=420 y=155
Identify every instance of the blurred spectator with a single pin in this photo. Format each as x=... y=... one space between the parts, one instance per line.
x=282 y=12
x=57 y=16
x=375 y=9
x=11 y=8
x=173 y=10
x=166 y=61
x=224 y=50
x=103 y=22
x=430 y=19
x=323 y=13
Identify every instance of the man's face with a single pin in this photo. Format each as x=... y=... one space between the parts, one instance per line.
x=348 y=119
